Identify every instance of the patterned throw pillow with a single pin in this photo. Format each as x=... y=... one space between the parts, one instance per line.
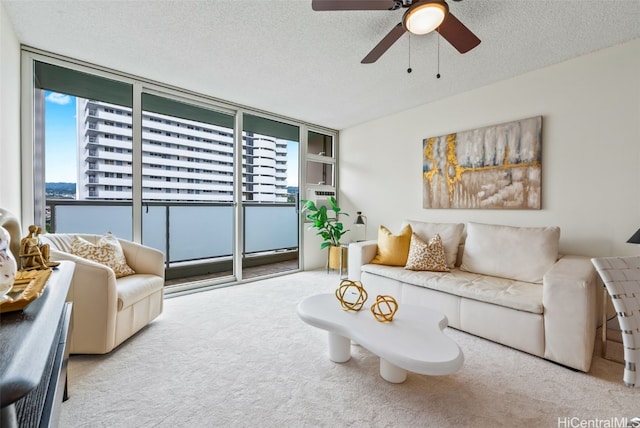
x=107 y=252
x=423 y=256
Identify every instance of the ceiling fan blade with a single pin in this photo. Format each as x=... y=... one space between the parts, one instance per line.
x=384 y=44
x=320 y=5
x=456 y=33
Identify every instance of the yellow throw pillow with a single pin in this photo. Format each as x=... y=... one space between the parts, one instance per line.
x=393 y=249
x=107 y=252
x=427 y=256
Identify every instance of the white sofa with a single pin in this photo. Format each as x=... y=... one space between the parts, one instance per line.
x=106 y=310
x=506 y=284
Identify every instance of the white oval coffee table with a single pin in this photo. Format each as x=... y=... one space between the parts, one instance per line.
x=413 y=341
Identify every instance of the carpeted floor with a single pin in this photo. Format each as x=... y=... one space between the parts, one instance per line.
x=240 y=357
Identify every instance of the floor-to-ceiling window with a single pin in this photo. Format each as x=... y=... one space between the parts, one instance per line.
x=105 y=151
x=83 y=145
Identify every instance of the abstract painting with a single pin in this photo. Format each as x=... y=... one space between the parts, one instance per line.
x=495 y=167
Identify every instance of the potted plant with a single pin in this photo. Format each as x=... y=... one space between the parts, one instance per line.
x=327 y=223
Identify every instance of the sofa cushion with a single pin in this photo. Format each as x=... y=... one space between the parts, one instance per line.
x=523 y=296
x=393 y=249
x=106 y=251
x=450 y=233
x=518 y=253
x=132 y=289
x=426 y=256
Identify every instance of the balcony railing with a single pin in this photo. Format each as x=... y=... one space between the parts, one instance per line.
x=187 y=233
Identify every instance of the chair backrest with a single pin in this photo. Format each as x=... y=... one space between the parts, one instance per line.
x=62 y=241
x=621 y=277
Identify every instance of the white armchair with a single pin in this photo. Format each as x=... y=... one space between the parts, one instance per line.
x=621 y=277
x=106 y=310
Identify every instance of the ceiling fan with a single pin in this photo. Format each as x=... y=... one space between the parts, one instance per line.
x=421 y=17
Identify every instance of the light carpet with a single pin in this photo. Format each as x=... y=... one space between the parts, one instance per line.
x=240 y=357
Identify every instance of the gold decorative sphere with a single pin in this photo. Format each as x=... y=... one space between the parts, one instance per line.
x=351 y=295
x=384 y=308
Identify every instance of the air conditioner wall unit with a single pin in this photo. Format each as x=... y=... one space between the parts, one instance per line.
x=320 y=197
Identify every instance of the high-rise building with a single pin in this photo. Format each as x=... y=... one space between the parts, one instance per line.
x=182 y=160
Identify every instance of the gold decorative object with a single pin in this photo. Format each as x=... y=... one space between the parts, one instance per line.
x=384 y=308
x=34 y=254
x=337 y=254
x=27 y=287
x=351 y=295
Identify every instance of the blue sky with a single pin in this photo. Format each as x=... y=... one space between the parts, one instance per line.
x=61 y=141
x=292 y=163
x=60 y=137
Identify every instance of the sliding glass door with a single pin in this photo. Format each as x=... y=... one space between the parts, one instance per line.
x=270 y=152
x=188 y=186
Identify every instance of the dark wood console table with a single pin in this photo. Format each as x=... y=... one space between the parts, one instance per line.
x=34 y=355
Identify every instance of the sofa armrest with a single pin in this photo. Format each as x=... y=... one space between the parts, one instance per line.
x=360 y=253
x=143 y=259
x=570 y=312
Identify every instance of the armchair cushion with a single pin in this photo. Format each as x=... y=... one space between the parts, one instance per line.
x=107 y=252
x=134 y=288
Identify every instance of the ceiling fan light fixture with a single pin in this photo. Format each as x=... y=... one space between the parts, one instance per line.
x=424 y=17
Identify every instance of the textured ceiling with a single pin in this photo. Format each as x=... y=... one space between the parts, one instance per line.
x=282 y=57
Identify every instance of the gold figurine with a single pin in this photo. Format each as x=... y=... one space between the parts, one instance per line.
x=34 y=254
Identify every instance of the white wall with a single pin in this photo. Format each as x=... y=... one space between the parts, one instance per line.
x=10 y=198
x=590 y=152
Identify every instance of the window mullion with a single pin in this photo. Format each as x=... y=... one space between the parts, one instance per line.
x=136 y=185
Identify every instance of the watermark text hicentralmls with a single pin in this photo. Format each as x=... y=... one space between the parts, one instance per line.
x=613 y=422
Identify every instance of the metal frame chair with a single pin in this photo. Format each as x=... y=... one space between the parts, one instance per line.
x=621 y=277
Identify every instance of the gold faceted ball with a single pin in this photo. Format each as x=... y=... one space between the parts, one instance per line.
x=384 y=308
x=351 y=295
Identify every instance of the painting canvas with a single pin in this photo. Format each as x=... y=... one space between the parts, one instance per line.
x=496 y=167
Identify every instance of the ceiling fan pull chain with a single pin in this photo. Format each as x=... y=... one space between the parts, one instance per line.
x=409 y=69
x=438 y=74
